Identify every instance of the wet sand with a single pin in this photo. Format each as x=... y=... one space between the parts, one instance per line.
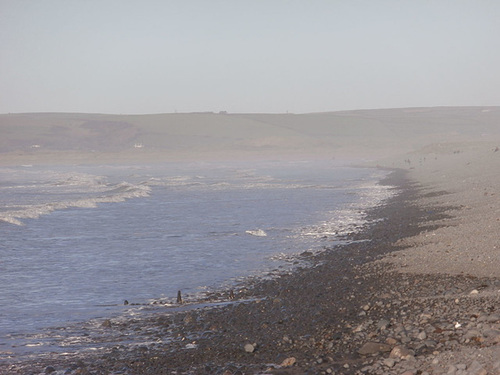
x=365 y=307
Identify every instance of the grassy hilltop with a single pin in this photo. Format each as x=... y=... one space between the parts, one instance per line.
x=87 y=138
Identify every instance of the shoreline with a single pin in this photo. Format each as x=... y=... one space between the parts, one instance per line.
x=321 y=319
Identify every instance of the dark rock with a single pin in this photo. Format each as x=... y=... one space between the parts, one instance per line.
x=179 y=297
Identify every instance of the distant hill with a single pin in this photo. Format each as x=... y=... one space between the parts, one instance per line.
x=361 y=133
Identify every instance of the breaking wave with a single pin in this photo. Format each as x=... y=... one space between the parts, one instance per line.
x=59 y=191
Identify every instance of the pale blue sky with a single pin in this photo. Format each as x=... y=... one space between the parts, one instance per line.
x=124 y=56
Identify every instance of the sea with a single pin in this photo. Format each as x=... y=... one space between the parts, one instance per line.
x=83 y=244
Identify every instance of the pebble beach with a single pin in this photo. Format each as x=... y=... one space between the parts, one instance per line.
x=417 y=291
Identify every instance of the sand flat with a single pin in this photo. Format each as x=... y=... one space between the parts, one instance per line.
x=467 y=180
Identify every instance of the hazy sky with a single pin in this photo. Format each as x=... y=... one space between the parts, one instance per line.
x=131 y=56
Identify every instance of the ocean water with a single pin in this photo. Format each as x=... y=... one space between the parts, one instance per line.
x=75 y=242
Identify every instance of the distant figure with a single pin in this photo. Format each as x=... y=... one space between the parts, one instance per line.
x=125 y=302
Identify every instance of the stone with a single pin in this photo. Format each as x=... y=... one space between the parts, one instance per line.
x=492 y=334
x=493 y=318
x=389 y=362
x=106 y=324
x=249 y=348
x=430 y=343
x=71 y=369
x=472 y=333
x=49 y=370
x=422 y=335
x=495 y=368
x=288 y=362
x=400 y=352
x=482 y=318
x=359 y=328
x=476 y=368
x=391 y=341
x=383 y=324
x=373 y=348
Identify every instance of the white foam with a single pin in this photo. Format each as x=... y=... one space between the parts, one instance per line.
x=257 y=232
x=353 y=217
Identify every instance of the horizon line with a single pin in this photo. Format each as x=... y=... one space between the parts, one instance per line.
x=244 y=113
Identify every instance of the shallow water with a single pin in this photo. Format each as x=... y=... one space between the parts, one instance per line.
x=77 y=242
